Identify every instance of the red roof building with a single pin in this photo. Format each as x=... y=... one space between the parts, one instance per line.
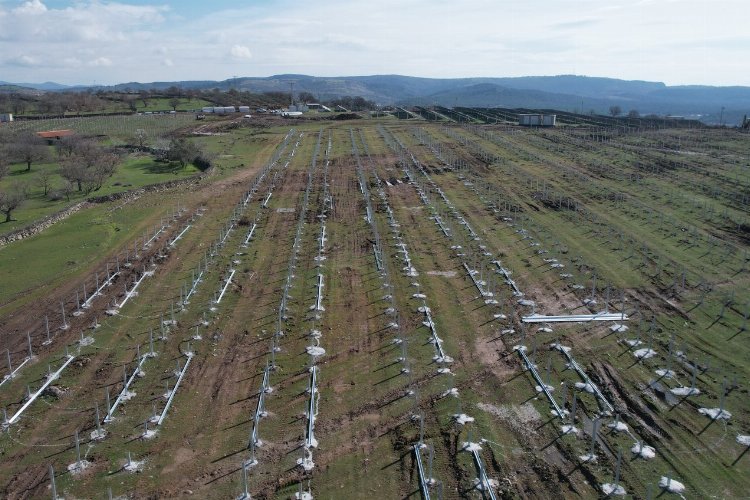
x=55 y=134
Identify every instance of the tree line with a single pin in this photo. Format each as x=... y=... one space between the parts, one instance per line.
x=101 y=101
x=83 y=163
x=60 y=103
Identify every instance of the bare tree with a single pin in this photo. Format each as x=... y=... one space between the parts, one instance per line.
x=182 y=151
x=633 y=113
x=130 y=100
x=11 y=199
x=17 y=104
x=29 y=148
x=306 y=97
x=67 y=190
x=44 y=179
x=3 y=164
x=53 y=103
x=74 y=172
x=174 y=102
x=103 y=167
x=140 y=137
x=88 y=165
x=357 y=103
x=615 y=110
x=66 y=146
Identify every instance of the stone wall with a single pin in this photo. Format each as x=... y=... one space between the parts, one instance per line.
x=40 y=225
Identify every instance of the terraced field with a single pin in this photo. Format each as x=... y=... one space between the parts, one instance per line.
x=395 y=309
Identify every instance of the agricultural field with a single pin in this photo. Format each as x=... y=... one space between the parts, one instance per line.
x=118 y=127
x=396 y=308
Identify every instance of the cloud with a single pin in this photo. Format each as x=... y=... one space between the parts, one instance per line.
x=240 y=52
x=101 y=61
x=72 y=62
x=31 y=7
x=575 y=25
x=33 y=22
x=689 y=42
x=23 y=61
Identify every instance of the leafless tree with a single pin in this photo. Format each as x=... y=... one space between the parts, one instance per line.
x=3 y=163
x=67 y=190
x=74 y=172
x=44 y=179
x=173 y=91
x=104 y=166
x=140 y=137
x=615 y=110
x=130 y=100
x=53 y=103
x=66 y=146
x=29 y=148
x=17 y=104
x=174 y=102
x=183 y=151
x=87 y=165
x=306 y=97
x=85 y=101
x=10 y=199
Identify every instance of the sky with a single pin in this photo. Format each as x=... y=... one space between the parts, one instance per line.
x=89 y=42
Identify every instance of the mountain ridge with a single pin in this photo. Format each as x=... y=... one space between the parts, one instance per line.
x=569 y=92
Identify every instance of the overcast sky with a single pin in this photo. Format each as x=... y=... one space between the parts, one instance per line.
x=105 y=42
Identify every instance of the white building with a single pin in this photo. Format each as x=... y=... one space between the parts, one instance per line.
x=537 y=120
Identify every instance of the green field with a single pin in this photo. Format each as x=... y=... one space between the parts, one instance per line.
x=134 y=172
x=117 y=128
x=163 y=103
x=231 y=151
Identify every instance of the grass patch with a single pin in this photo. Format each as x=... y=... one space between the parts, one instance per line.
x=38 y=264
x=134 y=172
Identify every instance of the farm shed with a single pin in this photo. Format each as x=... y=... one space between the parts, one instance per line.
x=55 y=135
x=537 y=120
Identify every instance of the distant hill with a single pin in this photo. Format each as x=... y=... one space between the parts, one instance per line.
x=39 y=86
x=566 y=92
x=582 y=86
x=188 y=84
x=701 y=102
x=496 y=96
x=8 y=88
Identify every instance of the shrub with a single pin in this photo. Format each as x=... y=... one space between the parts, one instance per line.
x=56 y=195
x=202 y=163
